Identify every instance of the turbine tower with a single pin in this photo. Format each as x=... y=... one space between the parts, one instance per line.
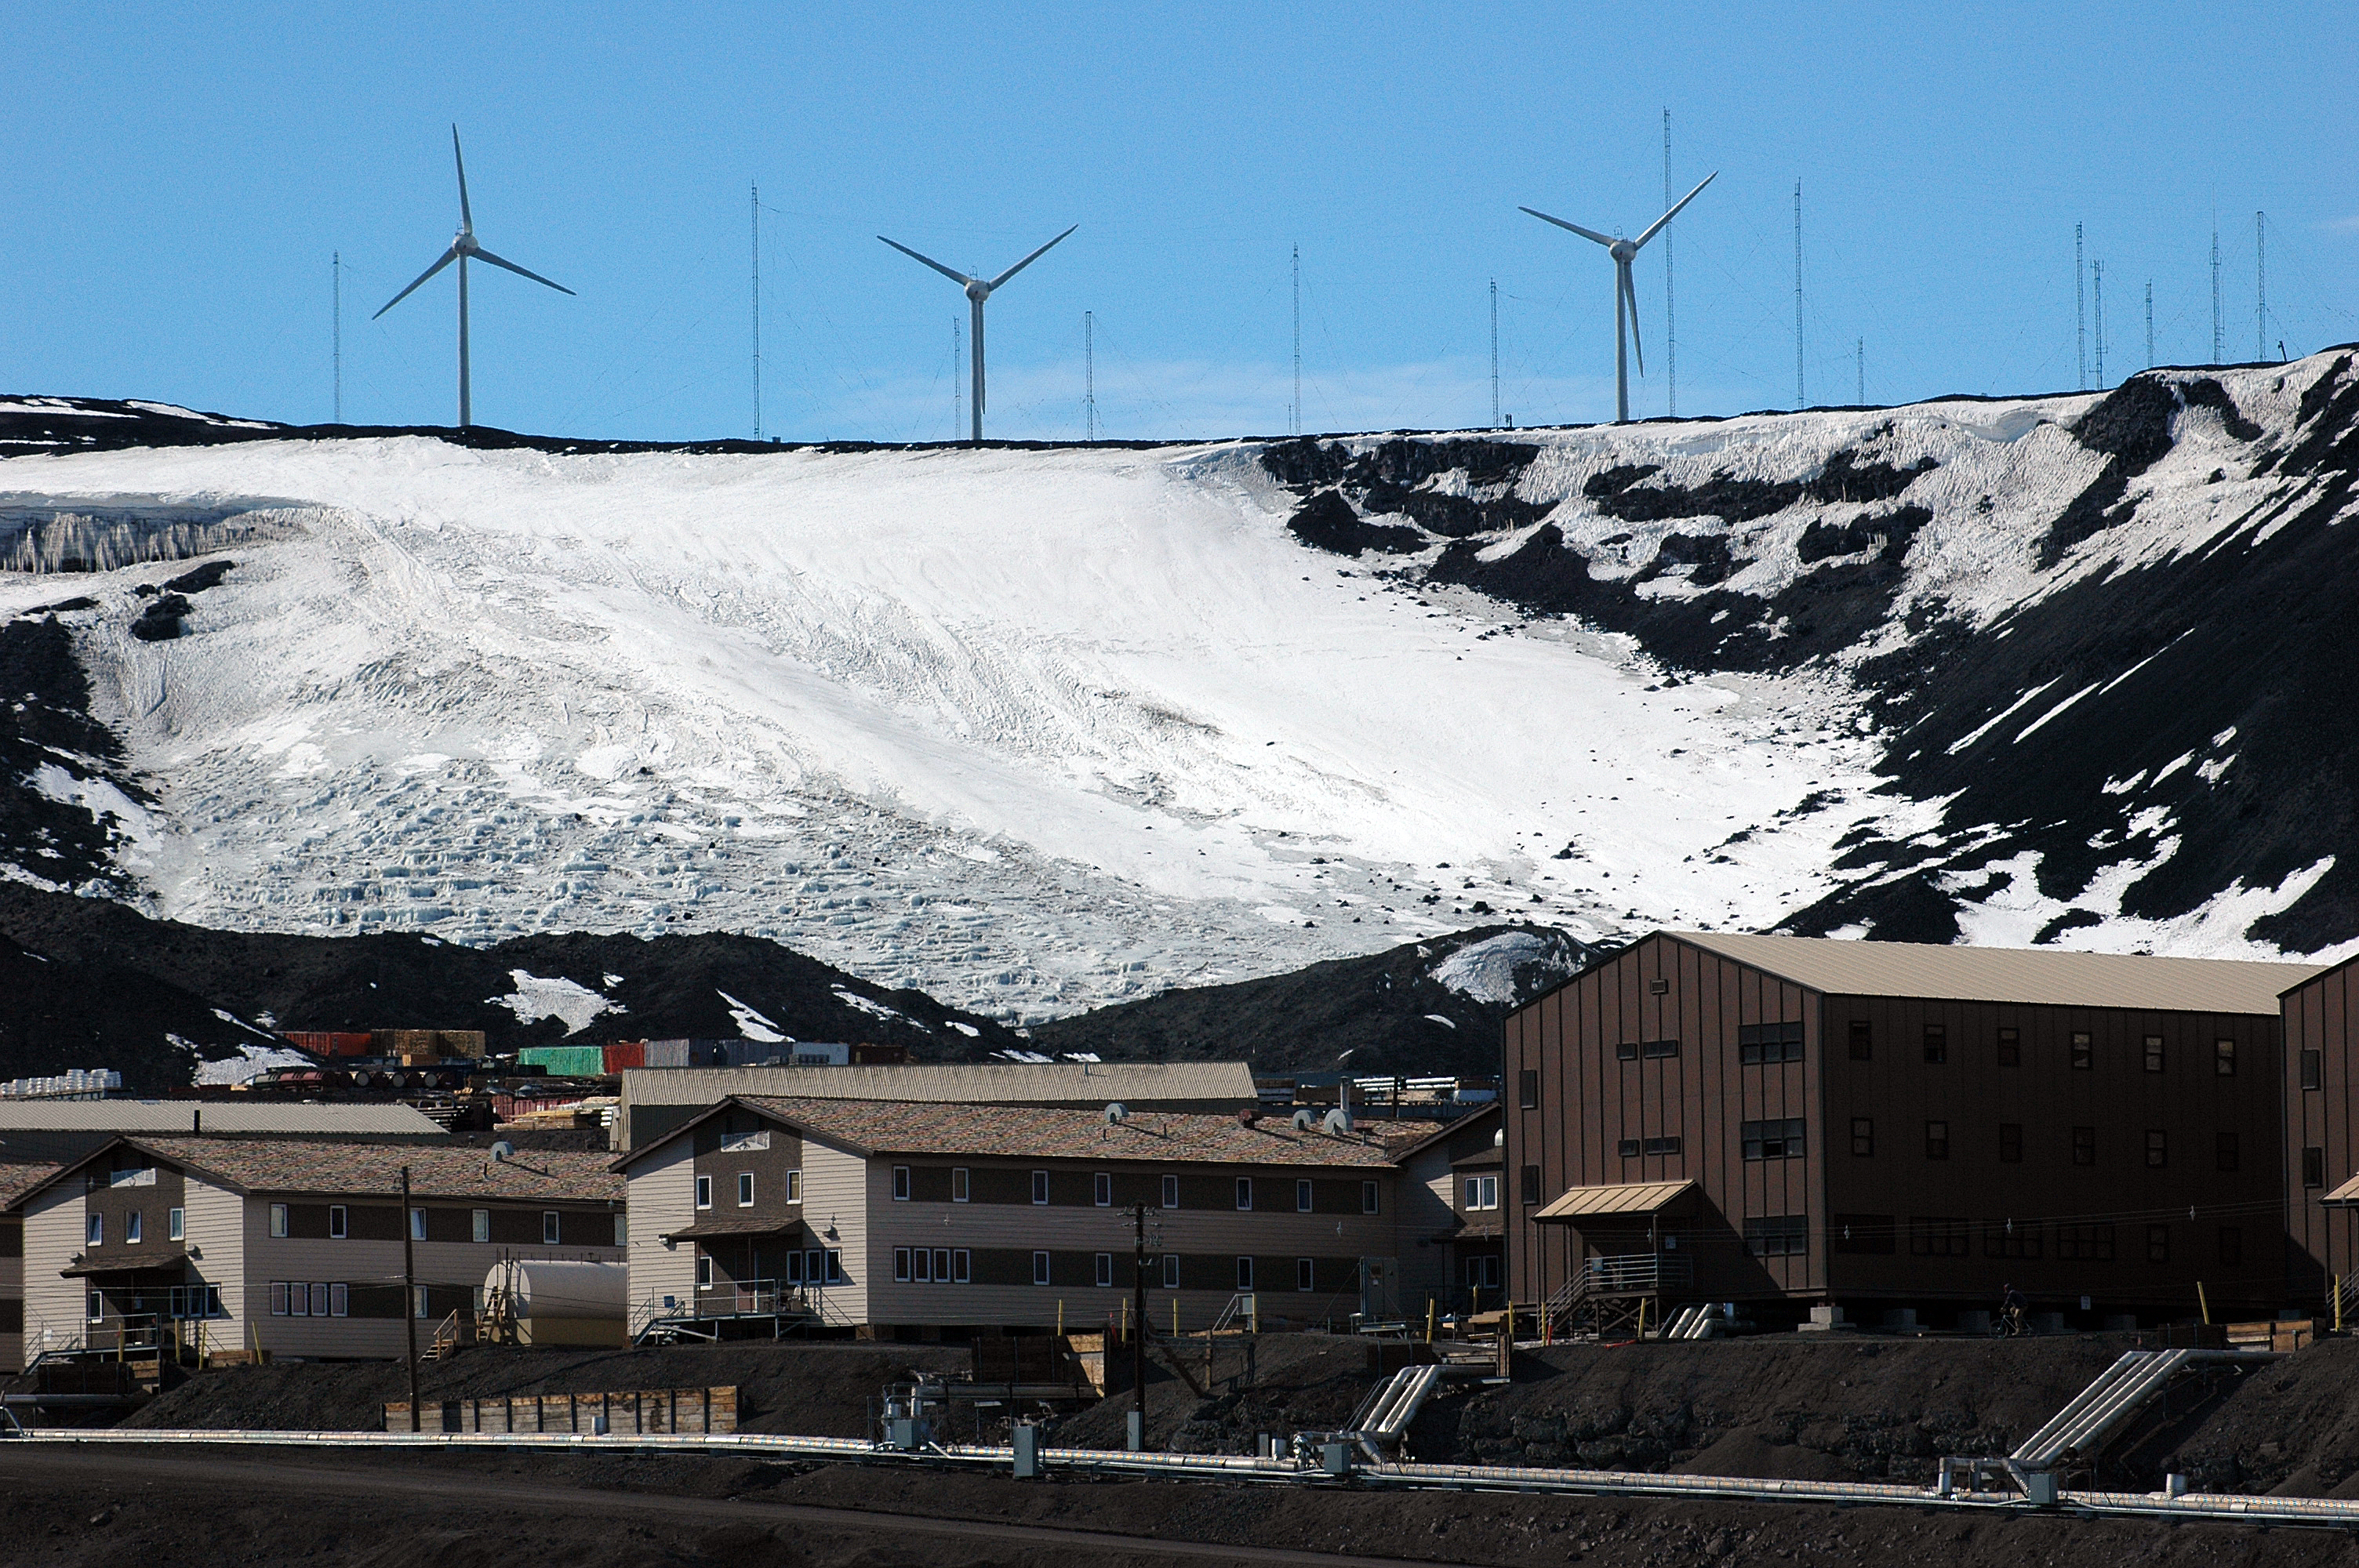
x=1626 y=292
x=462 y=248
x=977 y=291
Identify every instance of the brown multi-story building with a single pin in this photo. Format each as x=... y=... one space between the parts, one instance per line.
x=2321 y=1132
x=1791 y=1121
x=1452 y=1198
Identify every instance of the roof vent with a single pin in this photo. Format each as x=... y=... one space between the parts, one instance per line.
x=503 y=1150
x=1116 y=1110
x=1338 y=1122
x=1304 y=1120
x=1499 y=1138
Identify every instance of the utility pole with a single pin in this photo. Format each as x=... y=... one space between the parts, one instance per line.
x=757 y=312
x=410 y=1294
x=957 y=421
x=1494 y=353
x=2261 y=288
x=2149 y=323
x=1670 y=335
x=1801 y=397
x=1293 y=419
x=1089 y=371
x=2080 y=310
x=2219 y=342
x=1138 y=1327
x=336 y=264
x=2097 y=287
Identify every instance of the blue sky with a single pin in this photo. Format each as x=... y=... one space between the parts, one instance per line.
x=180 y=176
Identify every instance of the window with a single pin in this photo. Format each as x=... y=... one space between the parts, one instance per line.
x=1245 y=1275
x=2313 y=1166
x=1761 y=1043
x=900 y=1186
x=1863 y=1137
x=1171 y=1270
x=320 y=1301
x=2084 y=1243
x=2154 y=1053
x=131 y=1229
x=795 y=1187
x=2010 y=1142
x=2010 y=1047
x=1244 y=1192
x=94 y=1228
x=1101 y=1189
x=2158 y=1244
x=1628 y=1051
x=958 y=1185
x=277 y=1220
x=2224 y=1058
x=2224 y=1151
x=1040 y=1186
x=2313 y=1070
x=1170 y=1192
x=1528 y=1088
x=960 y=1269
x=298 y=1299
x=1483 y=1271
x=1780 y=1140
x=277 y=1298
x=921 y=1265
x=340 y=1301
x=1937 y=1044
x=2158 y=1148
x=1371 y=1199
x=1779 y=1236
x=814 y=1266
x=1302 y=1197
x=1482 y=1192
x=793 y=1268
x=622 y=1229
x=2084 y=1052
x=1040 y=1268
x=704 y=1272
x=704 y=1192
x=417 y=1225
x=2005 y=1238
x=1529 y=1179
x=1661 y=1146
x=481 y=1228
x=2085 y=1146
x=550 y=1227
x=1862 y=1041
x=1936 y=1140
x=1628 y=1148
x=176 y=1225
x=1937 y=1236
x=744 y=1189
x=1654 y=1050
x=1104 y=1270
x=97 y=1308
x=336 y=1226
x=1305 y=1274
x=1869 y=1234
x=836 y=1265
x=2231 y=1246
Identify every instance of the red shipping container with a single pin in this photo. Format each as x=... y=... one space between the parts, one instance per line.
x=625 y=1054
x=323 y=1043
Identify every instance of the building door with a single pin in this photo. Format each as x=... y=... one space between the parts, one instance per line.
x=1379 y=1288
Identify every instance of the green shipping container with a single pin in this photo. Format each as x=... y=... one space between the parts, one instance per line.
x=565 y=1061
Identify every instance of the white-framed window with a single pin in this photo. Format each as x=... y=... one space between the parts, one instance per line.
x=744 y=1189
x=1040 y=1186
x=793 y=1186
x=417 y=1225
x=1245 y=1275
x=131 y=1228
x=1171 y=1270
x=621 y=1230
x=941 y=1265
x=298 y=1299
x=480 y=1226
x=960 y=1266
x=1104 y=1270
x=1170 y=1192
x=340 y=1301
x=901 y=1266
x=278 y=1298
x=1303 y=1197
x=336 y=1222
x=704 y=1192
x=921 y=1265
x=176 y=1225
x=793 y=1268
x=278 y=1219
x=1371 y=1197
x=704 y=1272
x=319 y=1300
x=1040 y=1268
x=1306 y=1273
x=900 y=1183
x=814 y=1266
x=94 y=1228
x=97 y=1307
x=1482 y=1192
x=553 y=1227
x=835 y=1266
x=958 y=1183
x=1101 y=1189
x=1244 y=1192
x=419 y=1305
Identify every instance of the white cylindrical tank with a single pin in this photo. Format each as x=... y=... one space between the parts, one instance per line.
x=562 y=1302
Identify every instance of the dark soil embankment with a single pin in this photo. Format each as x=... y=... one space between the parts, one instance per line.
x=1279 y=1384
x=821 y=1390
x=2292 y=1429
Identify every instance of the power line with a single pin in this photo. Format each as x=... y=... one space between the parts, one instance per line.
x=2080 y=310
x=1800 y=398
x=1670 y=333
x=2219 y=341
x=757 y=312
x=1089 y=371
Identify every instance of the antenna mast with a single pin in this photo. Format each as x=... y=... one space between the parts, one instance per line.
x=2219 y=341
x=336 y=264
x=2080 y=310
x=1800 y=399
x=1294 y=417
x=2149 y=323
x=1089 y=371
x=2261 y=293
x=1494 y=353
x=757 y=312
x=1671 y=336
x=2097 y=285
x=1859 y=362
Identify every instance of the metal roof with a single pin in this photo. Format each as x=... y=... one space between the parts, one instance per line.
x=2345 y=1194
x=1632 y=1197
x=710 y=1228
x=339 y=1168
x=1208 y=1084
x=386 y=1120
x=2041 y=975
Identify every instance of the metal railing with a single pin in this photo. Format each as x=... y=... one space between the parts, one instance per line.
x=1640 y=1273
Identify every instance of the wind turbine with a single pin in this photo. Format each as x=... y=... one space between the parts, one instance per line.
x=1626 y=292
x=977 y=291
x=462 y=249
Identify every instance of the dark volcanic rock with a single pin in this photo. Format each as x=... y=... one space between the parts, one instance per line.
x=1897 y=529
x=1327 y=522
x=160 y=621
x=45 y=723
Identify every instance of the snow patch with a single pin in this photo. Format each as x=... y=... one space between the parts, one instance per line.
x=249 y=1062
x=1486 y=971
x=751 y=1024
x=536 y=999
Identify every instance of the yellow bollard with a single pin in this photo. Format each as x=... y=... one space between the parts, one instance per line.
x=1061 y=1314
x=1125 y=1320
x=1428 y=1320
x=1175 y=1317
x=2204 y=1302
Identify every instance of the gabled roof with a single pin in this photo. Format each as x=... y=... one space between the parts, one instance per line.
x=1624 y=1198
x=2033 y=976
x=342 y=1168
x=1060 y=1132
x=1079 y=1083
x=386 y=1120
x=1449 y=1129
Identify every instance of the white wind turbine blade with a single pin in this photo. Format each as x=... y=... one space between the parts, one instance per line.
x=484 y=256
x=1656 y=226
x=466 y=215
x=1629 y=292
x=448 y=257
x=1027 y=261
x=1606 y=240
x=951 y=272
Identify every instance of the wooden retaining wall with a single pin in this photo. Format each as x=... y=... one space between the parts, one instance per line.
x=631 y=1414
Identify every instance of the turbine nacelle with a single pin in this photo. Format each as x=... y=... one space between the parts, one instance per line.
x=977 y=290
x=1623 y=251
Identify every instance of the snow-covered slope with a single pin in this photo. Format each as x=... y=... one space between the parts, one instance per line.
x=1038 y=730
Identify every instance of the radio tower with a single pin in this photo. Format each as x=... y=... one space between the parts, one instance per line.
x=1671 y=336
x=2261 y=291
x=2079 y=308
x=336 y=265
x=1800 y=398
x=1294 y=419
x=1090 y=370
x=2149 y=323
x=958 y=406
x=2219 y=341
x=757 y=312
x=1859 y=364
x=2097 y=288
x=1494 y=353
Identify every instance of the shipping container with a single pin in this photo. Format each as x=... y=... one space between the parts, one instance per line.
x=566 y=1061
x=325 y=1042
x=625 y=1054
x=664 y=1052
